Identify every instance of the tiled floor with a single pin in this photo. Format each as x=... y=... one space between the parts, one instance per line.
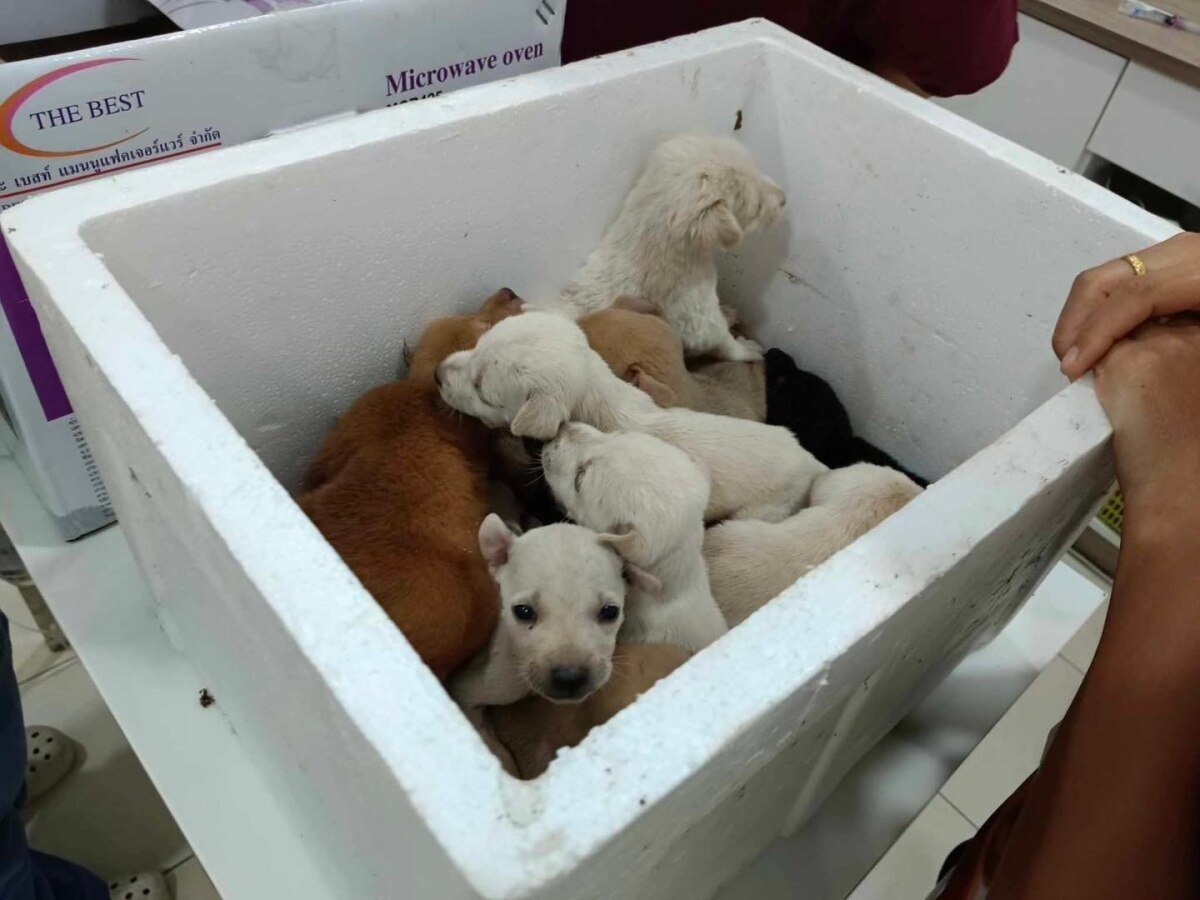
x=1005 y=758
x=107 y=815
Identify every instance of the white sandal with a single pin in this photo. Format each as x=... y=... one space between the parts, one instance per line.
x=49 y=758
x=142 y=886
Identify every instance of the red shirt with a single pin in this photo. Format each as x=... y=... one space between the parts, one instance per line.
x=946 y=46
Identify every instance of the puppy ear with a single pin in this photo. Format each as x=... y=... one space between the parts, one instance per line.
x=659 y=392
x=717 y=226
x=623 y=538
x=501 y=305
x=495 y=542
x=539 y=418
x=637 y=577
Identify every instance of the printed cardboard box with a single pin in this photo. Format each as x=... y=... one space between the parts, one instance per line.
x=80 y=116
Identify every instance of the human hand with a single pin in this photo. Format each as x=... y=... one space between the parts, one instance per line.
x=1149 y=385
x=1108 y=302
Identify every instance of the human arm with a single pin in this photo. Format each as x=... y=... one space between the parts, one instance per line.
x=1114 y=811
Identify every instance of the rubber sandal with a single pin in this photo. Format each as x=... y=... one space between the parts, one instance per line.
x=49 y=758
x=142 y=886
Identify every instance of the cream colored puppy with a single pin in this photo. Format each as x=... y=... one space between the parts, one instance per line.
x=697 y=195
x=751 y=563
x=562 y=595
x=536 y=371
x=649 y=498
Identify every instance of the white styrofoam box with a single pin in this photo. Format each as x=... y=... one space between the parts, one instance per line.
x=1152 y=127
x=1050 y=97
x=920 y=268
x=79 y=116
x=21 y=20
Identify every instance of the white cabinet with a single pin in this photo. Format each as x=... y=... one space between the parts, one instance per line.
x=1152 y=127
x=1050 y=96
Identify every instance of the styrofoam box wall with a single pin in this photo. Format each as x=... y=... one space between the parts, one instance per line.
x=214 y=317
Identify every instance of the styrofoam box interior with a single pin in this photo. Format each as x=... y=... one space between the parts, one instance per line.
x=214 y=317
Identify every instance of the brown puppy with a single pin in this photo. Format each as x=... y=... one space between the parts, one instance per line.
x=644 y=350
x=535 y=729
x=453 y=333
x=511 y=463
x=399 y=489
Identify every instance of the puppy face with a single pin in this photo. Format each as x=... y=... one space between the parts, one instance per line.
x=647 y=494
x=451 y=334
x=716 y=189
x=527 y=372
x=563 y=599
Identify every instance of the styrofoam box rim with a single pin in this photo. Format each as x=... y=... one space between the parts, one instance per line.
x=509 y=837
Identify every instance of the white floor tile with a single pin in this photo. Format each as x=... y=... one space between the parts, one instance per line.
x=1063 y=602
x=190 y=882
x=1013 y=749
x=31 y=656
x=909 y=870
x=1081 y=648
x=107 y=816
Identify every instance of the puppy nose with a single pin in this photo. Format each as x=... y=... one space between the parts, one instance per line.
x=569 y=680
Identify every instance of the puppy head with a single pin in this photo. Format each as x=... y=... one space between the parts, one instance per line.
x=641 y=349
x=563 y=600
x=452 y=334
x=715 y=190
x=527 y=372
x=646 y=495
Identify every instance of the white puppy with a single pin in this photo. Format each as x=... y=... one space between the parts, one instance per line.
x=750 y=563
x=697 y=195
x=653 y=496
x=536 y=371
x=562 y=594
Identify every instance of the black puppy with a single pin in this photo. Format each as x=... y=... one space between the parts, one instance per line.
x=807 y=406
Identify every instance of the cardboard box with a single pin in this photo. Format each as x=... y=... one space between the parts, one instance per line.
x=212 y=367
x=76 y=117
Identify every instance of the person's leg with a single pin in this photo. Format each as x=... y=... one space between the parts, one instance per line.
x=27 y=874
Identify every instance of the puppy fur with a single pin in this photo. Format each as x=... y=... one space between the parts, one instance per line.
x=535 y=729
x=697 y=195
x=645 y=351
x=535 y=371
x=453 y=333
x=751 y=563
x=399 y=489
x=809 y=408
x=511 y=464
x=562 y=601
x=649 y=498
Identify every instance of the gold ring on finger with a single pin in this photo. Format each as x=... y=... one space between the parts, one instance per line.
x=1135 y=263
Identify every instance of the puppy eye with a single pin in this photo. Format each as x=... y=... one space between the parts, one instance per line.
x=609 y=613
x=579 y=476
x=523 y=612
x=478 y=382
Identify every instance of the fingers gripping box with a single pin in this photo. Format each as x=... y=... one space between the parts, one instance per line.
x=87 y=115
